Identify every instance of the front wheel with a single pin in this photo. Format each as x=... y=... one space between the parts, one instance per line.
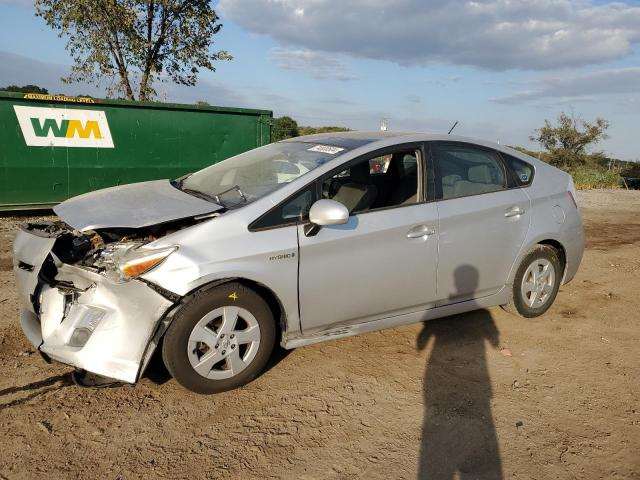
x=220 y=340
x=536 y=283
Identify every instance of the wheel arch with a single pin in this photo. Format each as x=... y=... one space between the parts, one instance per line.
x=562 y=253
x=546 y=240
x=267 y=294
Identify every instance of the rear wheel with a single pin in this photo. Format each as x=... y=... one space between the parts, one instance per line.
x=536 y=283
x=220 y=340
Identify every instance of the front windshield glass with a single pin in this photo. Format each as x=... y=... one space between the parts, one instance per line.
x=251 y=175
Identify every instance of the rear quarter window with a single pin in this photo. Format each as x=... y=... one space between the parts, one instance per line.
x=522 y=171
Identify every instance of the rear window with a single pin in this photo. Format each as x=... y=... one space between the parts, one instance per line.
x=523 y=172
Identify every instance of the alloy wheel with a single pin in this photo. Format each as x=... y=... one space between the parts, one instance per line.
x=223 y=342
x=538 y=282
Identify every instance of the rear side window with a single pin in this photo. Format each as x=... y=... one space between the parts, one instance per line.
x=465 y=170
x=522 y=171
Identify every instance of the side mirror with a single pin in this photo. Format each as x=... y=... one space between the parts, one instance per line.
x=326 y=212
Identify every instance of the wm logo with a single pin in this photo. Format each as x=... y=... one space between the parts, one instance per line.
x=62 y=127
x=66 y=128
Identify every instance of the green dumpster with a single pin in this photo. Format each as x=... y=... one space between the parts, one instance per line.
x=54 y=147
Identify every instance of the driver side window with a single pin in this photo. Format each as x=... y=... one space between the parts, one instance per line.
x=376 y=182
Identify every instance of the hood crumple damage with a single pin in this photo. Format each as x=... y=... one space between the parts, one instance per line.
x=136 y=205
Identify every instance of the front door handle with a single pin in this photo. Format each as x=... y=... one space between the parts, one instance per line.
x=421 y=231
x=514 y=212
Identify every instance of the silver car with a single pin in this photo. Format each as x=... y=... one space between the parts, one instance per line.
x=375 y=230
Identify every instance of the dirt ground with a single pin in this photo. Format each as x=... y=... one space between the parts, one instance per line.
x=480 y=395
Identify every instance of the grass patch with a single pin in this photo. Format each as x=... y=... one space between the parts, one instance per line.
x=590 y=178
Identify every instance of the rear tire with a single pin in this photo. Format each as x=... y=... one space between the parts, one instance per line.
x=221 y=339
x=536 y=283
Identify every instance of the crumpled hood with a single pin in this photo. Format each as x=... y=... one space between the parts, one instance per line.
x=132 y=206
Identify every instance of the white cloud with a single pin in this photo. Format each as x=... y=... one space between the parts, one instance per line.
x=578 y=87
x=496 y=34
x=318 y=65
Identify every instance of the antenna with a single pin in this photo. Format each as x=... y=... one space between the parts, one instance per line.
x=454 y=126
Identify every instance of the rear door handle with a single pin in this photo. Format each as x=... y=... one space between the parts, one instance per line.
x=514 y=212
x=421 y=231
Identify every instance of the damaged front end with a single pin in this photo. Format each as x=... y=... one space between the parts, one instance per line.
x=81 y=300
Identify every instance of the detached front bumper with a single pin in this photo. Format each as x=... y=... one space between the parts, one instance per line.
x=81 y=318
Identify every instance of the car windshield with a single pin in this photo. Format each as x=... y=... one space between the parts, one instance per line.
x=252 y=175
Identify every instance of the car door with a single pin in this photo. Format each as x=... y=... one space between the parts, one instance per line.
x=483 y=220
x=382 y=262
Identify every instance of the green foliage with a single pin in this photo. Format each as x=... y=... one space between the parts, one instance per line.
x=284 y=127
x=567 y=147
x=287 y=127
x=587 y=178
x=630 y=169
x=25 y=89
x=567 y=142
x=593 y=171
x=313 y=130
x=135 y=42
x=531 y=153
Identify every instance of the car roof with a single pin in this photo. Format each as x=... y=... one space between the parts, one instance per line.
x=350 y=140
x=354 y=139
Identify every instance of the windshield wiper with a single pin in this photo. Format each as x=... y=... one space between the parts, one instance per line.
x=236 y=188
x=180 y=180
x=203 y=196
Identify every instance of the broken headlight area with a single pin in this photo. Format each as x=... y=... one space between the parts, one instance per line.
x=118 y=254
x=121 y=262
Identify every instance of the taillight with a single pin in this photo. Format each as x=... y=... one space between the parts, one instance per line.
x=573 y=200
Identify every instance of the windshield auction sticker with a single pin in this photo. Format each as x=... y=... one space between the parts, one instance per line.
x=326 y=149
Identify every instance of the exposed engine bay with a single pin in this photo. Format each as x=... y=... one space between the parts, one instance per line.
x=100 y=251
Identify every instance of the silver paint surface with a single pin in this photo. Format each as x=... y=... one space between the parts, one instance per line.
x=132 y=206
x=328 y=212
x=373 y=272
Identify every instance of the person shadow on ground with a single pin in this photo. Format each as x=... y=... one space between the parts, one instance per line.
x=459 y=439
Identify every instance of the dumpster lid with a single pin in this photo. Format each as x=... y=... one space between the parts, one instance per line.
x=132 y=206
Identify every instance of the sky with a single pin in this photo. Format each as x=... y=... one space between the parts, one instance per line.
x=498 y=67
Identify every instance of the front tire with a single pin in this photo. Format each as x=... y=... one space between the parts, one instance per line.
x=220 y=339
x=536 y=283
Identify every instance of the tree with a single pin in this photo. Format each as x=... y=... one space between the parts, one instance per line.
x=25 y=89
x=135 y=42
x=284 y=127
x=569 y=140
x=313 y=130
